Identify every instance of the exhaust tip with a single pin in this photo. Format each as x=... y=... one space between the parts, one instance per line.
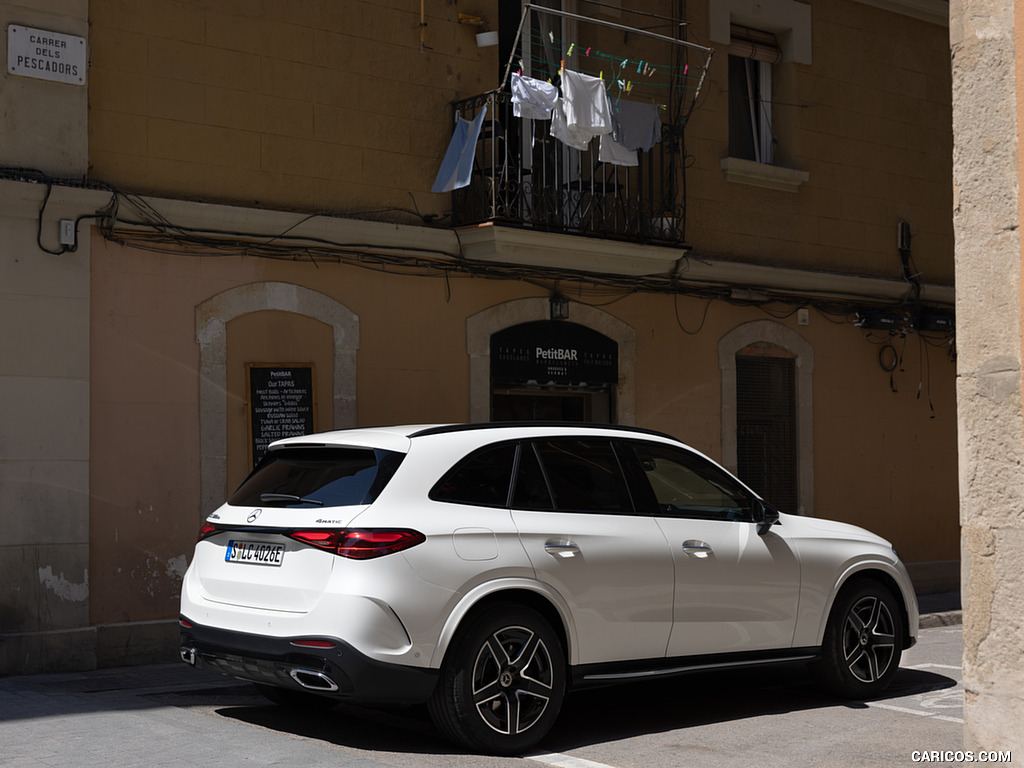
x=313 y=680
x=188 y=655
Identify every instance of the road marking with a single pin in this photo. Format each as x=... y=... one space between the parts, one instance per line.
x=909 y=711
x=565 y=761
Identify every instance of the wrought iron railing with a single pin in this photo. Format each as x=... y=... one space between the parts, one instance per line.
x=524 y=177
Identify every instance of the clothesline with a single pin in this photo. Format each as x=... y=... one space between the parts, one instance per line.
x=643 y=67
x=623 y=74
x=538 y=50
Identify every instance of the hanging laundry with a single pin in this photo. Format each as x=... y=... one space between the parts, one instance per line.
x=636 y=124
x=586 y=104
x=531 y=98
x=560 y=129
x=616 y=154
x=457 y=166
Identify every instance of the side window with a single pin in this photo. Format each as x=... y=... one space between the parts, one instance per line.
x=531 y=491
x=584 y=476
x=686 y=485
x=481 y=478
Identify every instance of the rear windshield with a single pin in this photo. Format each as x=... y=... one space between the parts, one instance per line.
x=318 y=477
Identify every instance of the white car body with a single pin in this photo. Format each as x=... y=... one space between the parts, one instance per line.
x=628 y=595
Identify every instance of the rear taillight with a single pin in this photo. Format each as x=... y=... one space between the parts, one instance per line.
x=360 y=544
x=206 y=531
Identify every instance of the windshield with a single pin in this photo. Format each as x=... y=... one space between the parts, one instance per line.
x=318 y=477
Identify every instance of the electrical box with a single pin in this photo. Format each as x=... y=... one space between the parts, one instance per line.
x=67 y=232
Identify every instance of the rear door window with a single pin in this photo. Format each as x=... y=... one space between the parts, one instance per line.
x=583 y=475
x=309 y=477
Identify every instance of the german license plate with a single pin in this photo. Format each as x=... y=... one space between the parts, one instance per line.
x=254 y=553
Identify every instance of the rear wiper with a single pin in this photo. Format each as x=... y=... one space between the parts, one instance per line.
x=289 y=497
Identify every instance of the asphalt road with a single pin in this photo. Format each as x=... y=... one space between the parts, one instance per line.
x=172 y=715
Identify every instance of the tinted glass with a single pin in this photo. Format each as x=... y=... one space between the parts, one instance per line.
x=313 y=477
x=531 y=491
x=685 y=485
x=482 y=478
x=584 y=476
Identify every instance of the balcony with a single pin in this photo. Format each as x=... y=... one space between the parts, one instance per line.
x=525 y=178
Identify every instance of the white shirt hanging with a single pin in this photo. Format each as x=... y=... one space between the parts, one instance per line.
x=586 y=104
x=531 y=98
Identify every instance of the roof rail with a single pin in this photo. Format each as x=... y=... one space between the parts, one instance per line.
x=582 y=426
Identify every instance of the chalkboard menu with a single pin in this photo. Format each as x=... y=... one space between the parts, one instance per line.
x=281 y=404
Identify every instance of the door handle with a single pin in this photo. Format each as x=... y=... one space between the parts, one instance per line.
x=697 y=548
x=561 y=548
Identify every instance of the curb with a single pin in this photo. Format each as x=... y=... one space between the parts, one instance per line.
x=941 y=619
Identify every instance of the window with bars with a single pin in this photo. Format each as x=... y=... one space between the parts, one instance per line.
x=766 y=429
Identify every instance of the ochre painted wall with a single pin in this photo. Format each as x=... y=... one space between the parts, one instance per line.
x=326 y=106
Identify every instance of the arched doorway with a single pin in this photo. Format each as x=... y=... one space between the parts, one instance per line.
x=483 y=325
x=764 y=362
x=212 y=318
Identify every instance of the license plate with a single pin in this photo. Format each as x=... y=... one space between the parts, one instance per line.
x=254 y=553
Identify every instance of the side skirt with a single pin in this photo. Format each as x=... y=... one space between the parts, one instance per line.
x=591 y=675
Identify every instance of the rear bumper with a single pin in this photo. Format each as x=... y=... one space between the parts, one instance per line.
x=339 y=671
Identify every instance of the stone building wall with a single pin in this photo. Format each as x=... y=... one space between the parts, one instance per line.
x=986 y=120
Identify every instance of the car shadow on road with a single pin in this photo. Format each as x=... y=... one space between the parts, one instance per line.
x=588 y=717
x=700 y=699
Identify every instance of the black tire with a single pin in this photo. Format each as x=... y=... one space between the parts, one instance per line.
x=286 y=697
x=863 y=642
x=502 y=682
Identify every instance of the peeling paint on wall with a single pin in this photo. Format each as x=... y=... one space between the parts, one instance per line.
x=64 y=589
x=176 y=567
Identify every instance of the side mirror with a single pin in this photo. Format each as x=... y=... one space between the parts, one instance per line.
x=765 y=516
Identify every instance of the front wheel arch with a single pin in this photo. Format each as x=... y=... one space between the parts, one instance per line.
x=856 y=578
x=864 y=637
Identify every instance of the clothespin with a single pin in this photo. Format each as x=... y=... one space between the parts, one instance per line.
x=602 y=74
x=561 y=68
x=571 y=46
x=638 y=65
x=629 y=86
x=588 y=50
x=686 y=69
x=551 y=36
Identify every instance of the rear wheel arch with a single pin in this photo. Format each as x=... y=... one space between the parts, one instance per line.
x=504 y=675
x=529 y=598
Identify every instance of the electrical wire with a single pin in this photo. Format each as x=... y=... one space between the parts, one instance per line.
x=131 y=220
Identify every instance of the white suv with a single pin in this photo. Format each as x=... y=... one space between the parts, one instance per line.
x=488 y=569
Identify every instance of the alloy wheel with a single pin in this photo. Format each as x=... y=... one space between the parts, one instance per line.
x=512 y=679
x=869 y=639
